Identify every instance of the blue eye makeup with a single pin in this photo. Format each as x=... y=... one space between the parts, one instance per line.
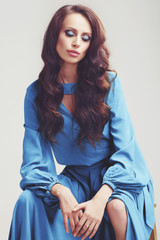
x=86 y=38
x=69 y=33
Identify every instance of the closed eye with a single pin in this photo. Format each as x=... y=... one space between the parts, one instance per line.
x=86 y=38
x=69 y=33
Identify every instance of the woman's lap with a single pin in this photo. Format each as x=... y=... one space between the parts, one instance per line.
x=33 y=219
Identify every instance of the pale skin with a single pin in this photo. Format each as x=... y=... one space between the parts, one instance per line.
x=75 y=34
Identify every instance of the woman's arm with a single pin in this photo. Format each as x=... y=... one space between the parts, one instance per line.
x=38 y=169
x=128 y=169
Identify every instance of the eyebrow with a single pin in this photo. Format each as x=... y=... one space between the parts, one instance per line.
x=74 y=29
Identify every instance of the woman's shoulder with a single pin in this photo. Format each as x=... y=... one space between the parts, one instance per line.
x=113 y=80
x=32 y=89
x=115 y=88
x=112 y=75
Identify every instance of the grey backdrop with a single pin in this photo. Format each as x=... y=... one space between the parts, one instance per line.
x=133 y=35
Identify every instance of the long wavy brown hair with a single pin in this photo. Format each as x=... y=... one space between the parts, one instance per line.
x=91 y=112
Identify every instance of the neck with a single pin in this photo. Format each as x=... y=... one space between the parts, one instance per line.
x=68 y=73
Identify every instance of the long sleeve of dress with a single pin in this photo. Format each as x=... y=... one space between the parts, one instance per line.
x=38 y=169
x=128 y=169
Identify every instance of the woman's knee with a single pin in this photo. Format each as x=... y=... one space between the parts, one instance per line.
x=116 y=208
x=117 y=213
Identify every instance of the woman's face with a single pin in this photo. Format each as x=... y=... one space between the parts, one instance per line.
x=74 y=38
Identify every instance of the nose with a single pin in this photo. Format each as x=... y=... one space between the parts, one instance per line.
x=76 y=42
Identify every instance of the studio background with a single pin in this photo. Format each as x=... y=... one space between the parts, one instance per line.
x=133 y=37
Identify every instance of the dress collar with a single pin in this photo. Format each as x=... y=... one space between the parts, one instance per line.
x=69 y=88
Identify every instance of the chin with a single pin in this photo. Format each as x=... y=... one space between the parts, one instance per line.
x=74 y=61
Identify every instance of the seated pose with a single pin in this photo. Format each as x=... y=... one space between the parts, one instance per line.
x=76 y=112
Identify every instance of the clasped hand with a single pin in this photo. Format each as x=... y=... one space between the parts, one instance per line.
x=81 y=222
x=91 y=218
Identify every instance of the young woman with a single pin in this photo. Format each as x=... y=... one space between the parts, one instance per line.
x=76 y=109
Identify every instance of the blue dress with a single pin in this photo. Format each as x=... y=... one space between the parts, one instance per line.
x=116 y=161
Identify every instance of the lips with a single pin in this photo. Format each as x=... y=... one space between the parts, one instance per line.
x=73 y=53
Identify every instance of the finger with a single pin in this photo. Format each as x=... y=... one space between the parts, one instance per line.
x=79 y=226
x=77 y=216
x=79 y=207
x=65 y=220
x=89 y=230
x=80 y=214
x=76 y=219
x=72 y=224
x=94 y=230
x=84 y=228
